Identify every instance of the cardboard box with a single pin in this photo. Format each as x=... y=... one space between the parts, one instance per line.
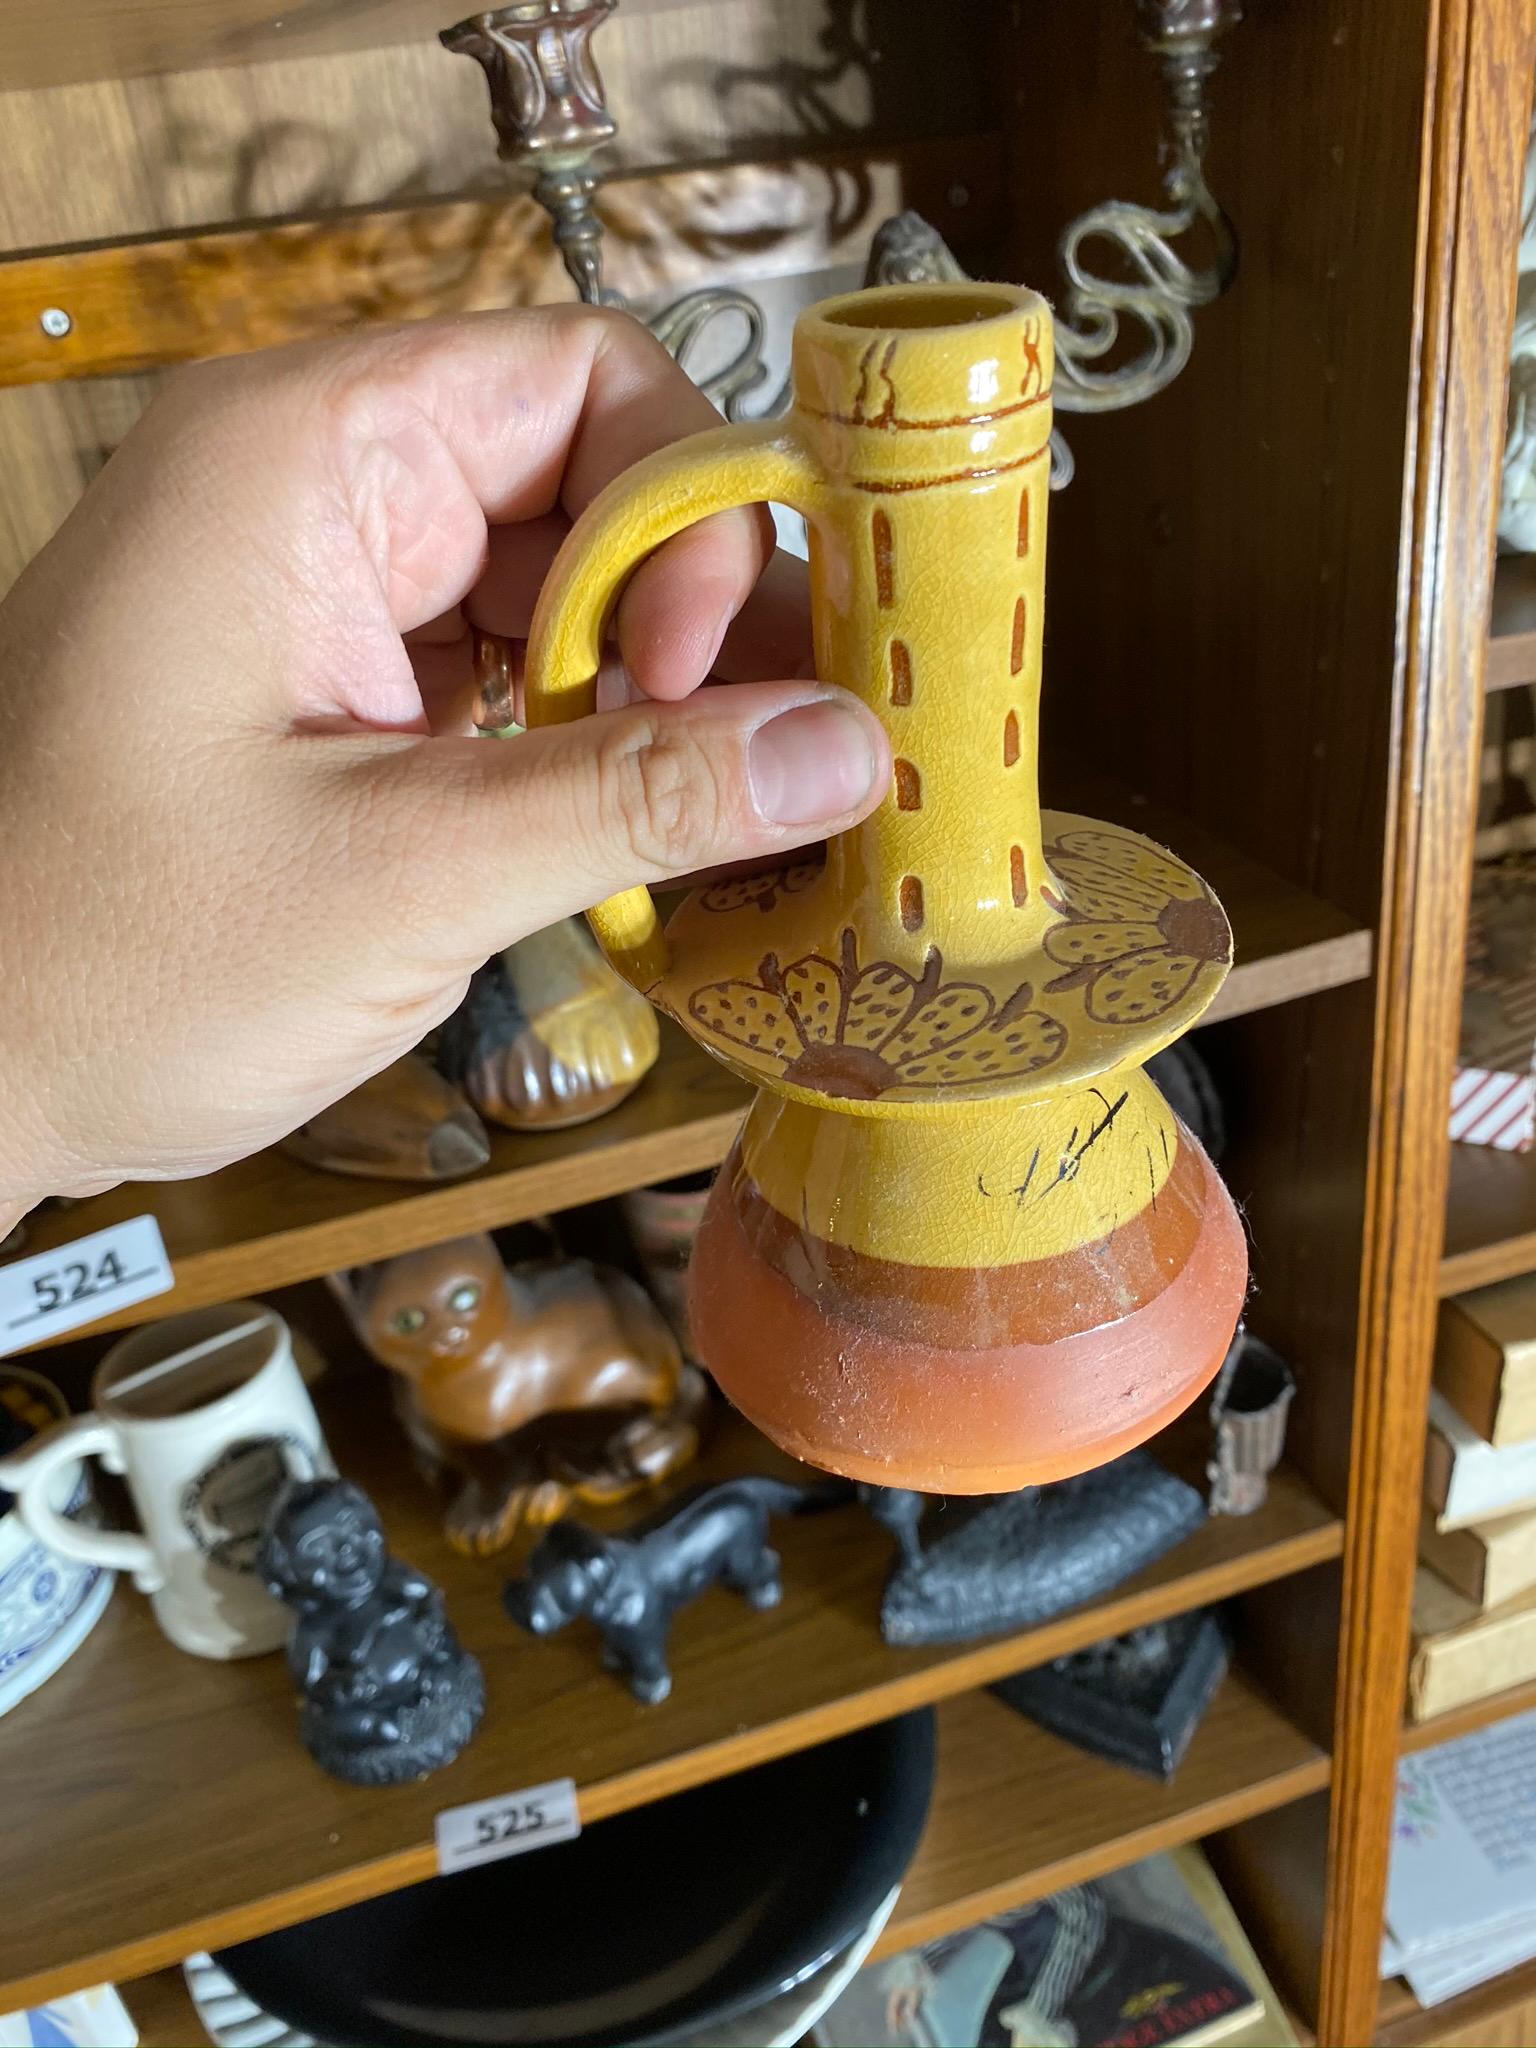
x=1491 y=1562
x=1460 y=1654
x=1485 y=1359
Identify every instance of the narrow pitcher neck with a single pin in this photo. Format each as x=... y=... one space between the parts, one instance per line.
x=927 y=413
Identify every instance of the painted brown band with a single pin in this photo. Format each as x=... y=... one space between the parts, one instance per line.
x=892 y=486
x=881 y=423
x=963 y=1308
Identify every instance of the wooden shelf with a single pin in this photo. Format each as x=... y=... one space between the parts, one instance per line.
x=163 y=2011
x=1490 y=1217
x=1498 y=1706
x=1512 y=624
x=170 y=1761
x=269 y=1221
x=1017 y=1813
x=1472 y=2018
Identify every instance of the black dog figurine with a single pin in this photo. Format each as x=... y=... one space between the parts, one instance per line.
x=633 y=1584
x=388 y=1693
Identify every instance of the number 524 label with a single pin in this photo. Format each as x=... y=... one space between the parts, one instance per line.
x=508 y=1826
x=63 y=1289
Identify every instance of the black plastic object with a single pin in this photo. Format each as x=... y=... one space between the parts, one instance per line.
x=1190 y=1092
x=1020 y=1558
x=676 y=1916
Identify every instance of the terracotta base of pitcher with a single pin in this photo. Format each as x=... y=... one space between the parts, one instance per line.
x=884 y=1389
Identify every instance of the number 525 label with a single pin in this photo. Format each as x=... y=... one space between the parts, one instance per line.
x=63 y=1289
x=508 y=1826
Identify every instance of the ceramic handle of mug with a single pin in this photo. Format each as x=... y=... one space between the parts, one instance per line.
x=29 y=1476
x=675 y=488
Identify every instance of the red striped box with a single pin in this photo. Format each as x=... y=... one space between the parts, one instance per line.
x=1493 y=1097
x=1494 y=1108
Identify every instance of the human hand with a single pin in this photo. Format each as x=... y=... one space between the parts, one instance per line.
x=252 y=853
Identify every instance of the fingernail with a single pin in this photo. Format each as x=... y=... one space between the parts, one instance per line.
x=810 y=764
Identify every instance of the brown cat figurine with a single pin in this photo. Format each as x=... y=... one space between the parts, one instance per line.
x=483 y=1353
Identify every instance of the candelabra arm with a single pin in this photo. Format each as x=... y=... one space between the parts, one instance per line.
x=1155 y=292
x=552 y=117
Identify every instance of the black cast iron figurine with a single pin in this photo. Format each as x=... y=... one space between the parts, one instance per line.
x=1015 y=1560
x=633 y=1584
x=388 y=1694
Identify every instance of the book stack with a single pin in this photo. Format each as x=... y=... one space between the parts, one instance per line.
x=1474 y=1611
x=1461 y=1897
x=1150 y=1955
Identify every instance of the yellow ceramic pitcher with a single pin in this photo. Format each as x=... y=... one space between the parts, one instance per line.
x=962 y=1243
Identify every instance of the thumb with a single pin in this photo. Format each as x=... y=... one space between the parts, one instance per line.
x=507 y=836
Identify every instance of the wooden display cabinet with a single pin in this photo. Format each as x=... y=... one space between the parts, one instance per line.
x=1269 y=635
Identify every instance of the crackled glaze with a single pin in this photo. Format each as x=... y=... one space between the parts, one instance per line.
x=954 y=1157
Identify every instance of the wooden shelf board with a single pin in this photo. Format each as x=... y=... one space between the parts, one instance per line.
x=1017 y=1813
x=162 y=2010
x=1499 y=1706
x=1403 y=2023
x=181 y=1812
x=1490 y=1217
x=269 y=1221
x=1511 y=656
x=135 y=38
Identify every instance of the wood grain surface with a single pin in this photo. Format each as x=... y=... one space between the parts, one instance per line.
x=141 y=143
x=1499 y=2014
x=1512 y=624
x=124 y=39
x=270 y=1220
x=149 y=303
x=161 y=2008
x=1490 y=1217
x=180 y=1810
x=1301 y=529
x=1018 y=1813
x=1476 y=117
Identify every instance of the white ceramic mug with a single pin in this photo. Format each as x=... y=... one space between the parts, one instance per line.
x=204 y=1416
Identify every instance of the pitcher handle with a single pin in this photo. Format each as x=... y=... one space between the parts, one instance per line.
x=29 y=1475
x=714 y=471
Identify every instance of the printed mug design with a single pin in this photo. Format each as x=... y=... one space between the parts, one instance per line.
x=224 y=1509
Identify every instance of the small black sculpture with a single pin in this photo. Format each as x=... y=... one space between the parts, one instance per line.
x=1136 y=1699
x=633 y=1584
x=388 y=1693
x=1017 y=1559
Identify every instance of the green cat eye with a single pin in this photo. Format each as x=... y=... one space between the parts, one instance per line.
x=464 y=1298
x=407 y=1321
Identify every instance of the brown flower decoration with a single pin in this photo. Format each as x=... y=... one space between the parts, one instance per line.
x=1136 y=928
x=737 y=891
x=844 y=1030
